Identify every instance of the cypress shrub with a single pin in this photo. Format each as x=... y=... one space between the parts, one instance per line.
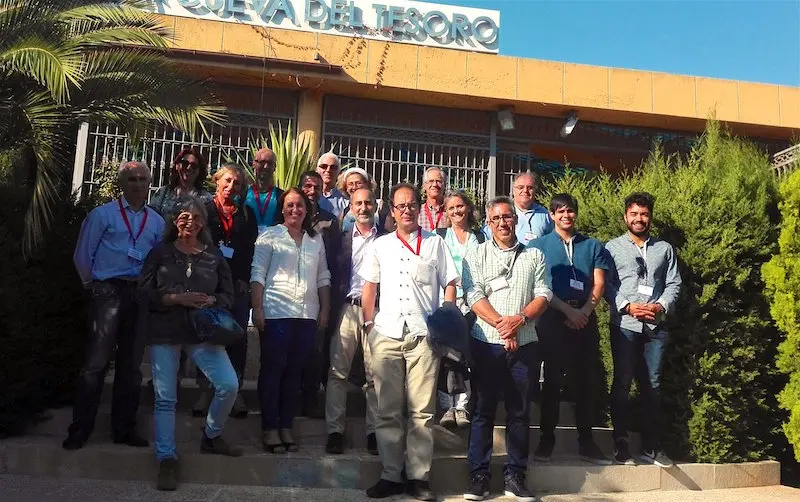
x=716 y=207
x=782 y=276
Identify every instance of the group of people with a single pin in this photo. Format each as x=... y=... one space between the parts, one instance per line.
x=326 y=270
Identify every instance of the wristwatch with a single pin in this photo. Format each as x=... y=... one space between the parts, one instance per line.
x=367 y=324
x=524 y=318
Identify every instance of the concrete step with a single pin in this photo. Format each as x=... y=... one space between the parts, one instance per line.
x=189 y=393
x=313 y=433
x=312 y=468
x=42 y=489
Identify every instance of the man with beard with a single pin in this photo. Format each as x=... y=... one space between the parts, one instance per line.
x=349 y=334
x=568 y=334
x=642 y=287
x=507 y=288
x=262 y=196
x=327 y=225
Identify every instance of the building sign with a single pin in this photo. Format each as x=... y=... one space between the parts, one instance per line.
x=419 y=23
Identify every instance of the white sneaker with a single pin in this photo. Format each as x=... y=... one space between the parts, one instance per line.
x=448 y=419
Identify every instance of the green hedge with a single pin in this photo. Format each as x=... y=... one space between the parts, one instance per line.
x=43 y=317
x=717 y=208
x=782 y=276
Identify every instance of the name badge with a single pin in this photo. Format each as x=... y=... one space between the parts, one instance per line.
x=645 y=290
x=498 y=284
x=135 y=254
x=576 y=285
x=529 y=236
x=226 y=251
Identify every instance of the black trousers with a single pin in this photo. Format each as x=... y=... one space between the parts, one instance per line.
x=117 y=320
x=574 y=351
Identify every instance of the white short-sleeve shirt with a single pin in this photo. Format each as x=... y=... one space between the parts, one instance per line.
x=410 y=283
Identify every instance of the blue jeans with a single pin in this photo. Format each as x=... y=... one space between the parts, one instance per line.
x=211 y=360
x=285 y=347
x=496 y=372
x=639 y=356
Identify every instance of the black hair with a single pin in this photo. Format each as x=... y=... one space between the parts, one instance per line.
x=563 y=200
x=202 y=168
x=309 y=174
x=409 y=186
x=307 y=225
x=643 y=199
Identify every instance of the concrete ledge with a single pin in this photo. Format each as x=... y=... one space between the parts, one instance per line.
x=312 y=468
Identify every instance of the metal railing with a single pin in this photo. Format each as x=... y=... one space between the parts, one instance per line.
x=393 y=155
x=158 y=146
x=785 y=161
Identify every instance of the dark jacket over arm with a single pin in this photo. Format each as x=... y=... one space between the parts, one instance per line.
x=242 y=240
x=164 y=272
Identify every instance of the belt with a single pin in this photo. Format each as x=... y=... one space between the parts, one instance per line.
x=354 y=301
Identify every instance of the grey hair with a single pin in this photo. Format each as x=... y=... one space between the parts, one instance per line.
x=435 y=168
x=501 y=199
x=132 y=164
x=330 y=154
x=187 y=204
x=533 y=176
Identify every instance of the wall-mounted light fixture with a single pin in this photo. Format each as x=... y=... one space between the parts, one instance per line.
x=505 y=116
x=569 y=125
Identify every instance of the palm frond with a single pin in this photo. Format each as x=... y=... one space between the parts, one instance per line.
x=52 y=66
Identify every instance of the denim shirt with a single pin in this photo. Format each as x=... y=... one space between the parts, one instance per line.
x=653 y=266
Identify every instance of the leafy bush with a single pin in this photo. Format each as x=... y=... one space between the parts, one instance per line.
x=716 y=208
x=782 y=276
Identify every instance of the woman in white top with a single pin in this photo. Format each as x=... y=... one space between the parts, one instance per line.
x=458 y=237
x=290 y=284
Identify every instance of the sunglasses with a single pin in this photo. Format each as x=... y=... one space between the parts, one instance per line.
x=641 y=268
x=326 y=167
x=189 y=166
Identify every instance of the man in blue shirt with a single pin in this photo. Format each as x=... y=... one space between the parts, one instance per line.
x=568 y=334
x=262 y=196
x=332 y=199
x=642 y=287
x=533 y=220
x=114 y=240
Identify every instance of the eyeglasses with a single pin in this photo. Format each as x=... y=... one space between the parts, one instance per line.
x=505 y=217
x=527 y=188
x=411 y=207
x=310 y=186
x=325 y=167
x=263 y=162
x=189 y=166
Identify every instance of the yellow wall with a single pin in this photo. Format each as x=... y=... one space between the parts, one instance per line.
x=370 y=64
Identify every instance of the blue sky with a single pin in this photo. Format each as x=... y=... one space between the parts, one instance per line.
x=753 y=40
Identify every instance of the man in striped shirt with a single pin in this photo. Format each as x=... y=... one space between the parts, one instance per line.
x=507 y=287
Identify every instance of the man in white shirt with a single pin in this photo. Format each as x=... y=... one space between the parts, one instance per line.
x=349 y=332
x=411 y=266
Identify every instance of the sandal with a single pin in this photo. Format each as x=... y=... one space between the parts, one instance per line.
x=289 y=444
x=272 y=443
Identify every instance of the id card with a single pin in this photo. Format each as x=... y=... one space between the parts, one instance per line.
x=645 y=290
x=576 y=285
x=135 y=254
x=226 y=251
x=498 y=283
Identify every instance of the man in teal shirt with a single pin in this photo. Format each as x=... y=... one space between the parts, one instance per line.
x=568 y=334
x=263 y=195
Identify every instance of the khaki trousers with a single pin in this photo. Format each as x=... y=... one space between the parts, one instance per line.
x=343 y=348
x=405 y=376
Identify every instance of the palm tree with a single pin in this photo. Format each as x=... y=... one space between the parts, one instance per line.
x=63 y=62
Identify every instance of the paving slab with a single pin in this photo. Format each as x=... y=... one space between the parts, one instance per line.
x=15 y=488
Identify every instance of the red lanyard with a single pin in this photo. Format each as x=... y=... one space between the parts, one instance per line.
x=405 y=243
x=262 y=210
x=430 y=218
x=128 y=223
x=225 y=220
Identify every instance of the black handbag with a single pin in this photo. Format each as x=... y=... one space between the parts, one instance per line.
x=215 y=326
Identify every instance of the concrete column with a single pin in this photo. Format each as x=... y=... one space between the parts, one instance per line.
x=80 y=160
x=309 y=120
x=491 y=180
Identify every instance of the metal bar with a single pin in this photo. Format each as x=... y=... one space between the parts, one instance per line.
x=491 y=181
x=80 y=159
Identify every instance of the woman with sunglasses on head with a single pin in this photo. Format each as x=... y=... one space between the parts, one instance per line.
x=186 y=179
x=290 y=284
x=183 y=273
x=234 y=231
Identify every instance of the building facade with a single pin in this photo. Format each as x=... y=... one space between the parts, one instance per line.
x=394 y=108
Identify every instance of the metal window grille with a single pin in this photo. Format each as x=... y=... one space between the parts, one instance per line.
x=160 y=144
x=393 y=155
x=785 y=161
